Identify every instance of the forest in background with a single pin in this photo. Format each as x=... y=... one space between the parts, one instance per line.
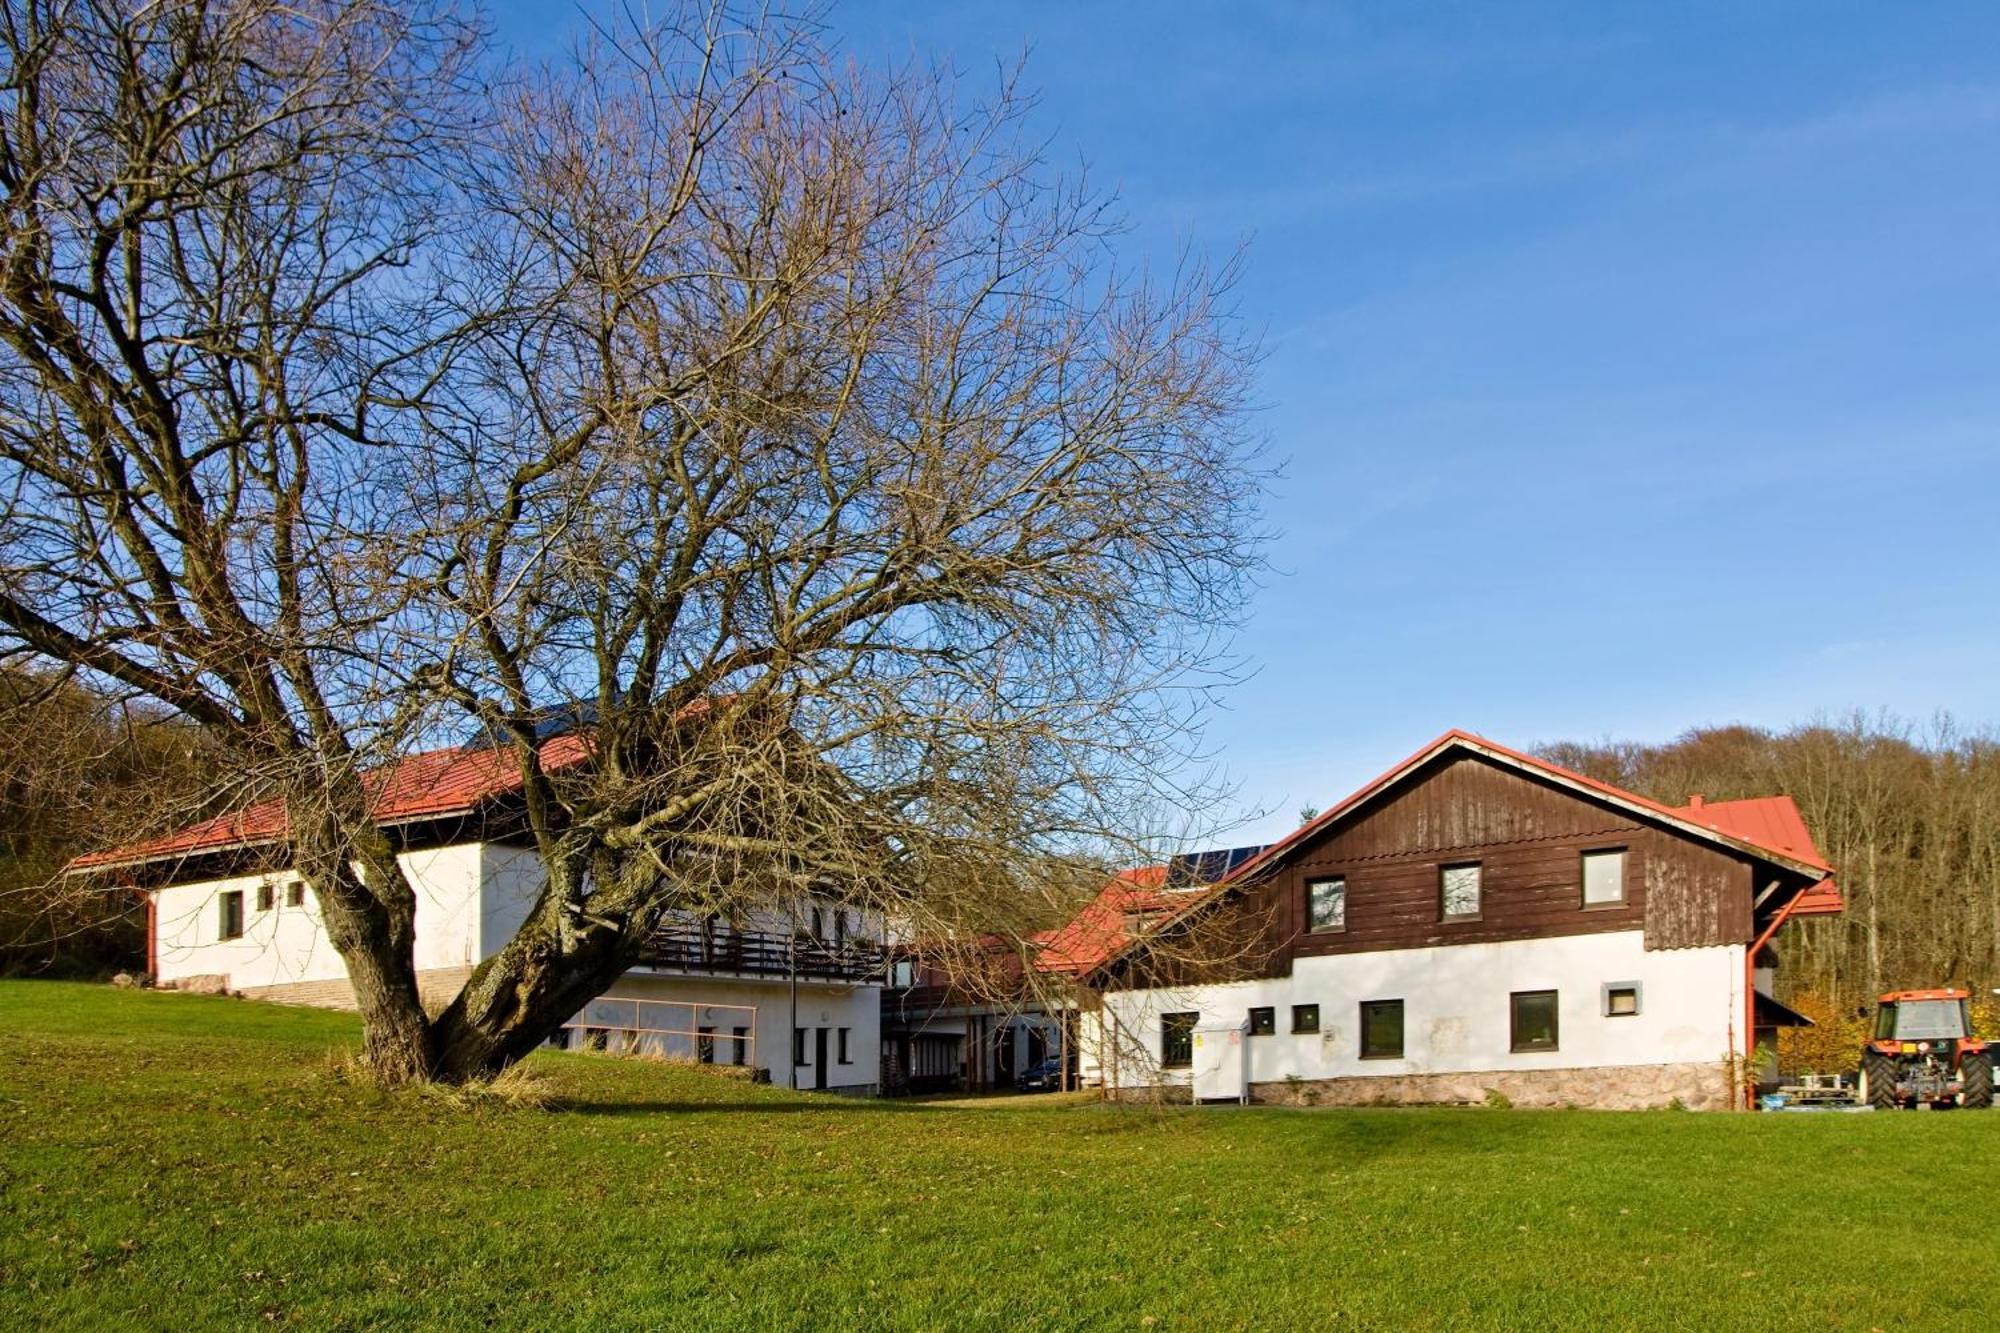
x=79 y=771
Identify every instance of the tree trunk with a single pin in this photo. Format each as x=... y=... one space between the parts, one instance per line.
x=516 y=999
x=371 y=923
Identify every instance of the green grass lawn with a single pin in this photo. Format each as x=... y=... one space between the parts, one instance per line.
x=177 y=1162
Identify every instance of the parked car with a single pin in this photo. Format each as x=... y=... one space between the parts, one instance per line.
x=1042 y=1076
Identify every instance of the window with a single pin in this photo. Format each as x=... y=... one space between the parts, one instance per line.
x=798 y=1046
x=818 y=924
x=840 y=938
x=704 y=1046
x=740 y=1051
x=1604 y=878
x=1533 y=1021
x=232 y=914
x=267 y=896
x=1177 y=1040
x=1621 y=999
x=1305 y=1018
x=841 y=1035
x=295 y=893
x=1458 y=892
x=1326 y=904
x=1381 y=1029
x=1263 y=1021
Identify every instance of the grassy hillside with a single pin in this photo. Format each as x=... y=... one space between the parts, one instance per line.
x=171 y=1161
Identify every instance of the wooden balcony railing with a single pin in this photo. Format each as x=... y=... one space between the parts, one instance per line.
x=687 y=948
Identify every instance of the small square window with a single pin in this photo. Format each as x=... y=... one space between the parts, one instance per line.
x=1177 y=1040
x=1382 y=1029
x=1458 y=892
x=1604 y=878
x=1305 y=1018
x=1532 y=1020
x=1326 y=905
x=295 y=893
x=1621 y=999
x=231 y=904
x=1263 y=1021
x=267 y=896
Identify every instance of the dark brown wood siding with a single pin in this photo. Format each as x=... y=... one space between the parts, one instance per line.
x=1529 y=838
x=1695 y=895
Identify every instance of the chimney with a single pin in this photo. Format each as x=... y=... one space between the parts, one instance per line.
x=1694 y=801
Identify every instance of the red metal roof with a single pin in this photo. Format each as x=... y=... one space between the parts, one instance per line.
x=433 y=785
x=1773 y=829
x=1772 y=821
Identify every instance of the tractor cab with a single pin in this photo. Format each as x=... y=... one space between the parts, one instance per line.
x=1923 y=1053
x=1924 y=1015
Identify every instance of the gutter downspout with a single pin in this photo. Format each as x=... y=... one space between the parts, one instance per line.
x=1750 y=994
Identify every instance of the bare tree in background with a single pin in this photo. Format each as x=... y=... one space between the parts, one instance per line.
x=791 y=416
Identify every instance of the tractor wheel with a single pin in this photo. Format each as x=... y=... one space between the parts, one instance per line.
x=1975 y=1075
x=1878 y=1081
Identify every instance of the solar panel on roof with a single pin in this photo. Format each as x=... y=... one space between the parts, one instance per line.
x=1196 y=868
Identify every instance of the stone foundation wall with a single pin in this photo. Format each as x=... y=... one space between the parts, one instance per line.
x=438 y=988
x=1702 y=1086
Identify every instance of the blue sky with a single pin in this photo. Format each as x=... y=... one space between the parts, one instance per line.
x=1634 y=367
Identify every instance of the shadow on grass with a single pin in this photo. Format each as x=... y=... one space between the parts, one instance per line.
x=682 y=1106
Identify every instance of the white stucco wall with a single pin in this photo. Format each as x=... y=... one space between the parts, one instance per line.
x=470 y=900
x=287 y=945
x=691 y=1002
x=1455 y=1010
x=511 y=880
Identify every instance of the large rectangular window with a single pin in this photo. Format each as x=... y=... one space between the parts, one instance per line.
x=1305 y=1018
x=841 y=1054
x=1381 y=1029
x=798 y=1046
x=1326 y=904
x=1177 y=1040
x=1532 y=1022
x=740 y=1051
x=1458 y=892
x=1263 y=1021
x=1604 y=878
x=231 y=904
x=704 y=1046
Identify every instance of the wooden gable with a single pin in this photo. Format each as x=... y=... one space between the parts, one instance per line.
x=1529 y=837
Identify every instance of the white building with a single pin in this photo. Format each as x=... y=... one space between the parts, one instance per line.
x=794 y=994
x=1473 y=923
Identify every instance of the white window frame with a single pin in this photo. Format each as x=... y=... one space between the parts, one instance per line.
x=1638 y=998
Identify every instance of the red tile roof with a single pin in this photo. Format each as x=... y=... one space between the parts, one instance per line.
x=1765 y=830
x=1102 y=929
x=433 y=785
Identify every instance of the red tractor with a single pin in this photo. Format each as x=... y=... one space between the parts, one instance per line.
x=1923 y=1053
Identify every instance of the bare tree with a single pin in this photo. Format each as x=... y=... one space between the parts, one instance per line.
x=791 y=416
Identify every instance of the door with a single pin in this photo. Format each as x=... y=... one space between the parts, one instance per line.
x=1219 y=1060
x=819 y=1059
